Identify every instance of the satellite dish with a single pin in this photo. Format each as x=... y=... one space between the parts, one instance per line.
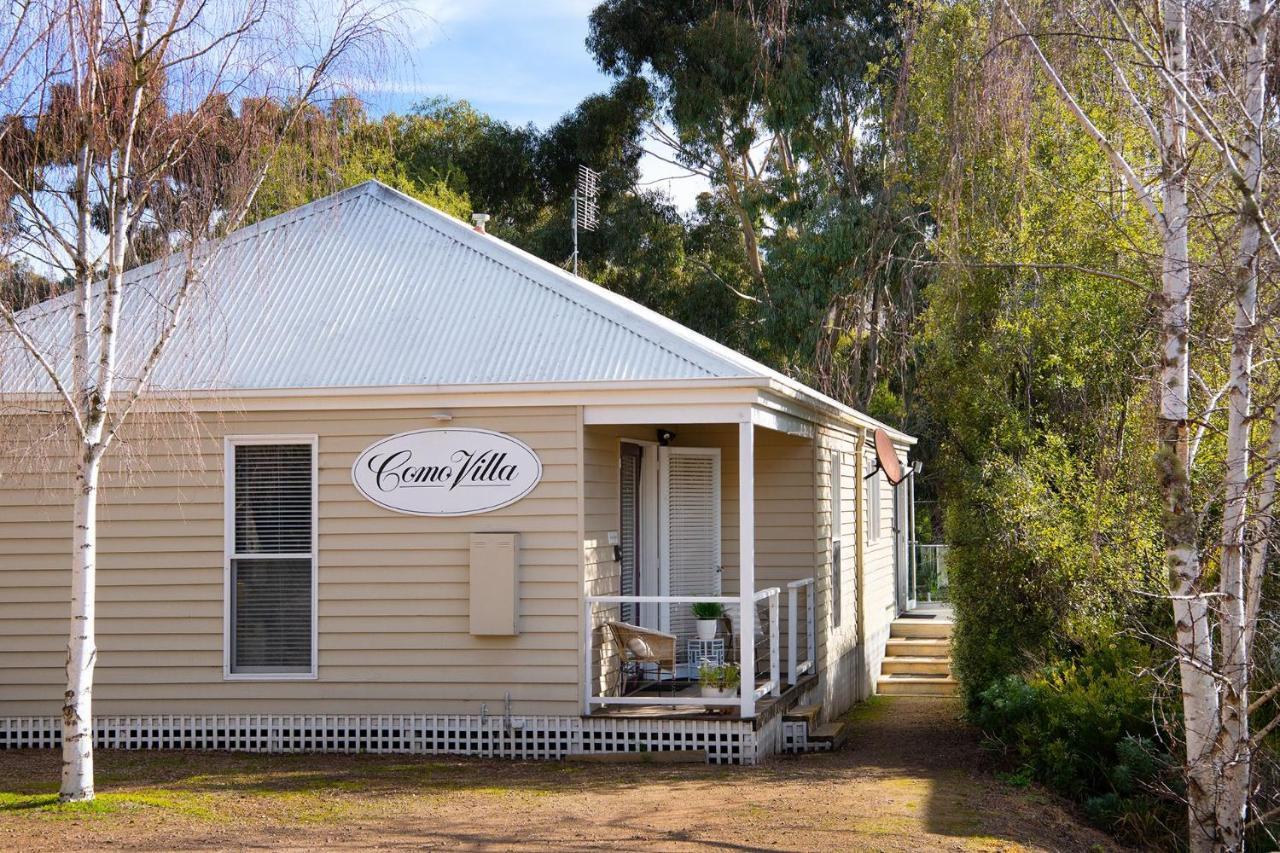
x=888 y=458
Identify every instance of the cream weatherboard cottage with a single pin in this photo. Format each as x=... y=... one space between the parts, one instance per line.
x=399 y=487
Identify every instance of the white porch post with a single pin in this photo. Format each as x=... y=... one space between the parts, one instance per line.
x=792 y=624
x=747 y=562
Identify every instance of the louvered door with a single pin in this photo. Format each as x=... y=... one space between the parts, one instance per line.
x=691 y=532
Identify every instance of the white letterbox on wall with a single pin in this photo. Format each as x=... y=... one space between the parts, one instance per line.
x=495 y=584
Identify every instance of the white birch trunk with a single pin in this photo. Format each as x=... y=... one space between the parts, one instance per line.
x=1235 y=750
x=82 y=652
x=1190 y=608
x=77 y=706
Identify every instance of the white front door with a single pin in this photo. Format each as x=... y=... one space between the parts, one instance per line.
x=690 y=532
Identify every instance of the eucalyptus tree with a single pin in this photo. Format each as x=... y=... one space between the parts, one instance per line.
x=786 y=107
x=129 y=123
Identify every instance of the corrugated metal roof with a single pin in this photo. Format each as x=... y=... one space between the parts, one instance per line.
x=371 y=288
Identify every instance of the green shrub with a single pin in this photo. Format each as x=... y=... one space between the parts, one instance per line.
x=1084 y=727
x=723 y=676
x=1045 y=559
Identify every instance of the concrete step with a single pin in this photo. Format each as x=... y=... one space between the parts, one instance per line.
x=804 y=714
x=833 y=733
x=934 y=628
x=916 y=685
x=932 y=647
x=909 y=665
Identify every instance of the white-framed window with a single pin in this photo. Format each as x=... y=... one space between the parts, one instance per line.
x=874 y=523
x=269 y=613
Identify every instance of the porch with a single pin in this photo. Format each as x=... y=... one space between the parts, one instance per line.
x=782 y=665
x=722 y=515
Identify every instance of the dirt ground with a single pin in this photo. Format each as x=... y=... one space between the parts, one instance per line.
x=911 y=778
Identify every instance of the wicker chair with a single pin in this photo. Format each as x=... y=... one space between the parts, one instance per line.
x=637 y=645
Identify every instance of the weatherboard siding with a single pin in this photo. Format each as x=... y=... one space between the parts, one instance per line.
x=393 y=589
x=850 y=658
x=839 y=655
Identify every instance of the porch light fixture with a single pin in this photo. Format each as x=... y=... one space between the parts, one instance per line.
x=665 y=437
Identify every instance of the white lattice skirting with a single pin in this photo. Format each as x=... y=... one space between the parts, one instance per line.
x=725 y=741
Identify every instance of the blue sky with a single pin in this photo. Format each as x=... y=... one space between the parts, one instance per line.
x=518 y=61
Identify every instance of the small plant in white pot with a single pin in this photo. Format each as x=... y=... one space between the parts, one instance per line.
x=708 y=614
x=719 y=681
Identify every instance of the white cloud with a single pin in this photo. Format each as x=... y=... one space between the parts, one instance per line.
x=436 y=16
x=679 y=183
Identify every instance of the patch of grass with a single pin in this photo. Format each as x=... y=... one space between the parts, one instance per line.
x=281 y=784
x=888 y=824
x=1020 y=778
x=992 y=843
x=908 y=784
x=754 y=810
x=870 y=710
x=955 y=820
x=13 y=802
x=500 y=791
x=48 y=804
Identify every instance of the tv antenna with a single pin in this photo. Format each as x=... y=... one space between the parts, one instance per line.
x=586 y=207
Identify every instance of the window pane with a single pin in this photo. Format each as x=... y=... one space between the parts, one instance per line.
x=873 y=508
x=273 y=498
x=271 y=615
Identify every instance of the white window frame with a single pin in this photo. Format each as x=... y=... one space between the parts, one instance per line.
x=837 y=496
x=229 y=445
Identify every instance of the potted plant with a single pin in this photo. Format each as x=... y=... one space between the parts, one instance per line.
x=719 y=681
x=707 y=613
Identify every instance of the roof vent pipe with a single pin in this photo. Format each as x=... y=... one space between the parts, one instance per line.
x=480 y=219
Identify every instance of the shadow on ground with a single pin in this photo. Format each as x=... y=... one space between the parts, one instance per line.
x=911 y=778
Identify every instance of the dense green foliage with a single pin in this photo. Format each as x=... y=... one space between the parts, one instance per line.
x=784 y=107
x=1084 y=725
x=1027 y=379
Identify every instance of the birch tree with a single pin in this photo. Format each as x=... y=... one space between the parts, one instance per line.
x=1204 y=118
x=134 y=125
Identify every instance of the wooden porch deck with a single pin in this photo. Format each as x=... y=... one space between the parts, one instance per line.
x=766 y=707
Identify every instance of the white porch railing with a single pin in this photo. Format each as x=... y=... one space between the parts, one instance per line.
x=773 y=686
x=929 y=581
x=797 y=668
x=603 y=671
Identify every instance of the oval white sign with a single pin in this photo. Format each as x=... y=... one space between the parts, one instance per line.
x=447 y=471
